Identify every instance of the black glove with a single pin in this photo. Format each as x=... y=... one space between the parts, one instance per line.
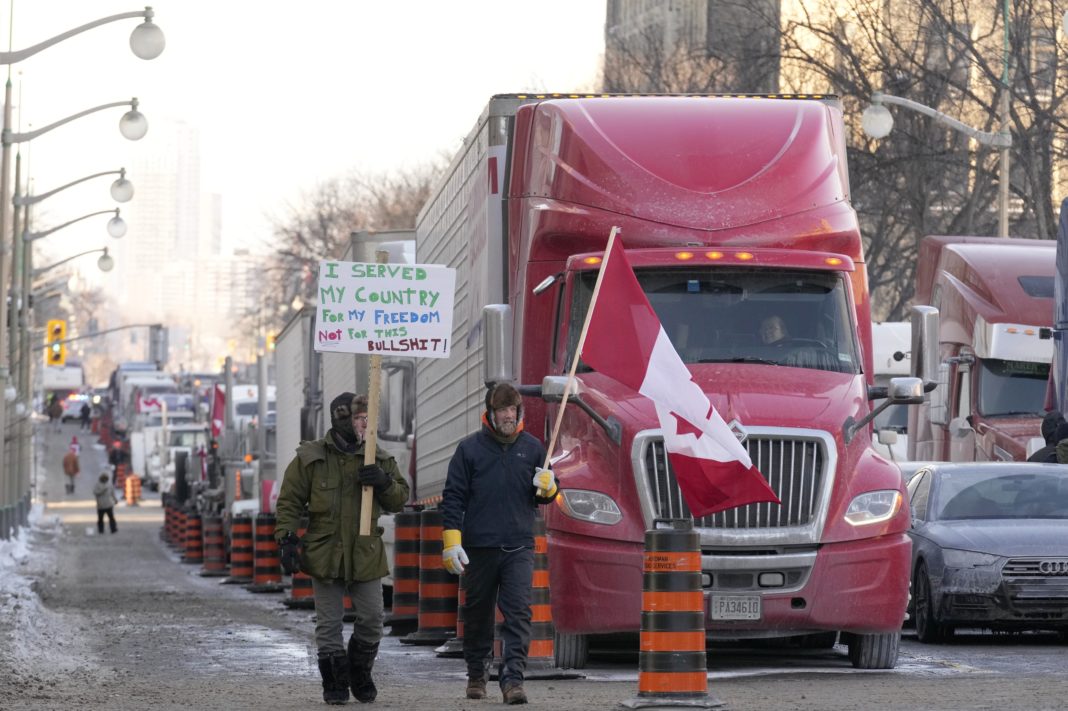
x=373 y=475
x=290 y=549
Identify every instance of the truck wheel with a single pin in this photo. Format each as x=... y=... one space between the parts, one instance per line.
x=874 y=651
x=571 y=651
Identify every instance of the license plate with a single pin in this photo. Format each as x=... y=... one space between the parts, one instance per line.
x=734 y=607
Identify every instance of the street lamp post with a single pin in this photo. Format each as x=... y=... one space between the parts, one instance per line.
x=877 y=122
x=105 y=263
x=132 y=126
x=146 y=42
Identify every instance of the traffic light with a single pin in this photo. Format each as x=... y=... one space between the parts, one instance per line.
x=56 y=333
x=271 y=342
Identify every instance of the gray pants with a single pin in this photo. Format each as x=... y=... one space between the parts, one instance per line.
x=330 y=611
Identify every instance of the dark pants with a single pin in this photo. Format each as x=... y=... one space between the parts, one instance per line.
x=110 y=512
x=497 y=578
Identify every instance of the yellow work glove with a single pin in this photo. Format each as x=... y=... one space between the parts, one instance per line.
x=453 y=556
x=545 y=482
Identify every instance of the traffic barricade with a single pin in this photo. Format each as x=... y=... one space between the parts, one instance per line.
x=120 y=476
x=404 y=613
x=241 y=561
x=214 y=548
x=301 y=591
x=194 y=541
x=132 y=488
x=178 y=541
x=672 y=666
x=455 y=646
x=437 y=587
x=541 y=656
x=267 y=565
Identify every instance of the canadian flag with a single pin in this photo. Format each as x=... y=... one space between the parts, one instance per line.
x=218 y=406
x=625 y=341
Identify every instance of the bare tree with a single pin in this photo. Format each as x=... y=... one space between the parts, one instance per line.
x=925 y=178
x=320 y=227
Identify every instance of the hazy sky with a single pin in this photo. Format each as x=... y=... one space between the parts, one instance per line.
x=284 y=94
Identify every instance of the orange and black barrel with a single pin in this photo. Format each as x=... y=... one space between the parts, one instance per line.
x=132 y=488
x=267 y=563
x=404 y=614
x=178 y=541
x=214 y=548
x=541 y=654
x=301 y=592
x=120 y=477
x=455 y=646
x=168 y=514
x=437 y=587
x=671 y=662
x=241 y=549
x=194 y=540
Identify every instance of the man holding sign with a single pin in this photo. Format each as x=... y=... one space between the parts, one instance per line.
x=494 y=485
x=326 y=478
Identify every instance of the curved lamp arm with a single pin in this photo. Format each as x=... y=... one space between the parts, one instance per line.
x=19 y=55
x=42 y=270
x=1000 y=139
x=10 y=138
x=28 y=237
x=34 y=199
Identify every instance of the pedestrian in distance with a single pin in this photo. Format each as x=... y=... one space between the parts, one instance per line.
x=84 y=414
x=71 y=467
x=55 y=413
x=325 y=480
x=1048 y=454
x=105 y=504
x=494 y=485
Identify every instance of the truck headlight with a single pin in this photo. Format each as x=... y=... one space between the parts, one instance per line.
x=591 y=506
x=873 y=507
x=956 y=558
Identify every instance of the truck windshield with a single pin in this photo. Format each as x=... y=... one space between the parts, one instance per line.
x=1012 y=387
x=793 y=318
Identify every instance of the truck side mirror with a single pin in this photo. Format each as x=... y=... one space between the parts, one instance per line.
x=925 y=360
x=938 y=412
x=497 y=343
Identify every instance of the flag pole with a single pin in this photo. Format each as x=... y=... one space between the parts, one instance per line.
x=374 y=389
x=578 y=349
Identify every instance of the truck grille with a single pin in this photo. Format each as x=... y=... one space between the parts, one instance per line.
x=794 y=468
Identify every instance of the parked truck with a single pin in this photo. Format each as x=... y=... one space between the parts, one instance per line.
x=732 y=211
x=1057 y=395
x=995 y=302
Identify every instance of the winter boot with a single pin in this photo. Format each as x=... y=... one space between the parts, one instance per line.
x=335 y=682
x=361 y=661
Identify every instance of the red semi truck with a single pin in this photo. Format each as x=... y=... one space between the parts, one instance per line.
x=995 y=303
x=733 y=211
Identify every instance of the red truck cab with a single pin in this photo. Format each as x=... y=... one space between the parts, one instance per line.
x=732 y=210
x=995 y=301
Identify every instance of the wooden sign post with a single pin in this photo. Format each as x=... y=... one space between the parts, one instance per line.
x=370 y=444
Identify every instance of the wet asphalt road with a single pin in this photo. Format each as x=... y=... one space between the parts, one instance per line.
x=121 y=623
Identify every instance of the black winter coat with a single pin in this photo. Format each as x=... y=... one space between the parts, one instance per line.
x=489 y=495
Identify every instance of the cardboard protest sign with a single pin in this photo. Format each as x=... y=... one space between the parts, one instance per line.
x=385 y=309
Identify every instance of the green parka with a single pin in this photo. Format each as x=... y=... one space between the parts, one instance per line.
x=322 y=481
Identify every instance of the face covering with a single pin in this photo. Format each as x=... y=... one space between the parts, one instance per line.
x=341 y=417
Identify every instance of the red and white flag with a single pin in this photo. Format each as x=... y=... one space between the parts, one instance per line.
x=625 y=341
x=218 y=410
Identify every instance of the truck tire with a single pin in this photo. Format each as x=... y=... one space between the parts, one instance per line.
x=571 y=651
x=874 y=651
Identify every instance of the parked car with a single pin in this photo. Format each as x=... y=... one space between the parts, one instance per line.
x=989 y=547
x=72 y=406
